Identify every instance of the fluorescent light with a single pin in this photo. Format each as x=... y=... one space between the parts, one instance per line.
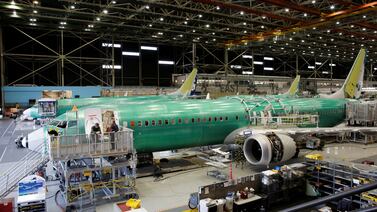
x=131 y=53
x=165 y=62
x=325 y=72
x=311 y=67
x=375 y=68
x=332 y=64
x=111 y=66
x=318 y=63
x=247 y=72
x=236 y=66
x=258 y=62
x=268 y=58
x=268 y=68
x=151 y=48
x=116 y=45
x=247 y=56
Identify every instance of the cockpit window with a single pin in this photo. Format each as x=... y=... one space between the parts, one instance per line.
x=72 y=123
x=62 y=124
x=54 y=123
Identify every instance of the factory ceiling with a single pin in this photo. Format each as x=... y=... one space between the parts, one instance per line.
x=321 y=28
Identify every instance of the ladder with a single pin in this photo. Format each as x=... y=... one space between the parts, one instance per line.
x=29 y=164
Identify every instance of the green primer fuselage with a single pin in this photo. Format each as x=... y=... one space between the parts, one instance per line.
x=188 y=123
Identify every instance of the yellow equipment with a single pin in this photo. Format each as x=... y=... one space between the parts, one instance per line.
x=314 y=157
x=133 y=203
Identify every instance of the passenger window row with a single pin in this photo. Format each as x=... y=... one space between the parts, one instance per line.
x=180 y=121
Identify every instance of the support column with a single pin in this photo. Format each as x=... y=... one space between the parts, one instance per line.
x=194 y=55
x=140 y=67
x=296 y=64
x=158 y=68
x=2 y=70
x=226 y=62
x=62 y=57
x=331 y=76
x=113 y=64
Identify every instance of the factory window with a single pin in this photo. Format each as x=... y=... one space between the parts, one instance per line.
x=139 y=124
x=179 y=121
x=166 y=122
x=237 y=118
x=221 y=118
x=209 y=119
x=198 y=120
x=204 y=119
x=132 y=123
x=153 y=122
x=172 y=121
x=215 y=118
x=192 y=120
x=146 y=123
x=186 y=121
x=159 y=122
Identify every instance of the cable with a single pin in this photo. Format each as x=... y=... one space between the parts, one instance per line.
x=56 y=201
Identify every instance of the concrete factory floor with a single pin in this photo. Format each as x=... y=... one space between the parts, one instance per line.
x=174 y=189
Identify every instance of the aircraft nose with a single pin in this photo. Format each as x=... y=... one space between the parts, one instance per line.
x=34 y=139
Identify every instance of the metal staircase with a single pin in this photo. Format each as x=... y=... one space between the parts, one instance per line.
x=29 y=164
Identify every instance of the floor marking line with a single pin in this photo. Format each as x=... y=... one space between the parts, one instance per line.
x=7 y=129
x=3 y=153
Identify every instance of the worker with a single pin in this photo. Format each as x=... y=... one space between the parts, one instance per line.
x=114 y=129
x=96 y=130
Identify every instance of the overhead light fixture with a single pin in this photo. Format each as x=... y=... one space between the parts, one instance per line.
x=247 y=56
x=245 y=31
x=33 y=19
x=63 y=23
x=161 y=19
x=364 y=29
x=242 y=12
x=105 y=11
x=113 y=2
x=160 y=33
x=247 y=72
x=207 y=25
x=90 y=25
x=61 y=27
x=213 y=33
x=258 y=62
x=180 y=35
x=318 y=63
x=165 y=62
x=150 y=25
x=268 y=58
x=131 y=53
x=262 y=26
x=236 y=66
x=116 y=45
x=311 y=67
x=87 y=30
x=263 y=17
x=332 y=7
x=364 y=16
x=98 y=19
x=200 y=15
x=193 y=30
x=268 y=68
x=150 y=48
x=337 y=22
x=305 y=14
x=185 y=22
x=111 y=66
x=332 y=64
x=286 y=10
x=32 y=24
x=72 y=7
x=325 y=72
x=35 y=2
x=147 y=7
x=313 y=2
x=35 y=11
x=217 y=8
x=244 y=23
x=214 y=39
x=14 y=14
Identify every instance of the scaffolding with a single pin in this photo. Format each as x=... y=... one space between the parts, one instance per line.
x=95 y=169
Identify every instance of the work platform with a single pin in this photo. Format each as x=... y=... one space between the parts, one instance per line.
x=93 y=145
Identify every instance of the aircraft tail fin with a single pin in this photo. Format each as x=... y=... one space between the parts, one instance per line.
x=187 y=86
x=354 y=81
x=294 y=87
